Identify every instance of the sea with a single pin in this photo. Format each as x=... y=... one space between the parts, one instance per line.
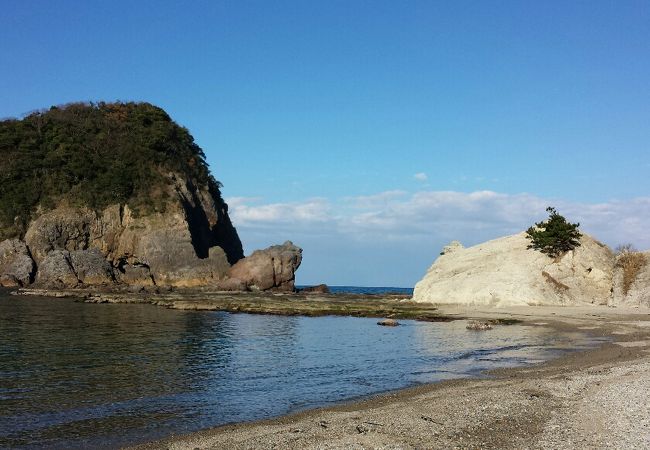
x=77 y=375
x=367 y=290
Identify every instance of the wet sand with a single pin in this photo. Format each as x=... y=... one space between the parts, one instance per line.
x=592 y=399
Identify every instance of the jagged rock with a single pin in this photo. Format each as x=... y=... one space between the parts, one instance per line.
x=318 y=289
x=91 y=268
x=61 y=229
x=65 y=269
x=191 y=243
x=136 y=275
x=451 y=247
x=505 y=272
x=16 y=264
x=55 y=271
x=271 y=268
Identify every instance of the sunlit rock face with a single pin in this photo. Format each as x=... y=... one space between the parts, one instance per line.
x=505 y=272
x=273 y=268
x=191 y=243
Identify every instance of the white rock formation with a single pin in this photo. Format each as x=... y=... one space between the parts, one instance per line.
x=504 y=272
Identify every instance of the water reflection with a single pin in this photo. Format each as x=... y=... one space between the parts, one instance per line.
x=77 y=375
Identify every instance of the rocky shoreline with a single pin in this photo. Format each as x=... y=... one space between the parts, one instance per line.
x=392 y=306
x=584 y=400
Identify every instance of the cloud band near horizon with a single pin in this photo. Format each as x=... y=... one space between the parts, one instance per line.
x=390 y=238
x=468 y=217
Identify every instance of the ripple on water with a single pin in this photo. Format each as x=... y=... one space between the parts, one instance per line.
x=79 y=375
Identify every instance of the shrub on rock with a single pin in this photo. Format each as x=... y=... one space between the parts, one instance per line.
x=554 y=236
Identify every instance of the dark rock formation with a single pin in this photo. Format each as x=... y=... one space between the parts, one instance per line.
x=61 y=229
x=271 y=268
x=91 y=268
x=135 y=275
x=183 y=246
x=318 y=289
x=16 y=265
x=55 y=270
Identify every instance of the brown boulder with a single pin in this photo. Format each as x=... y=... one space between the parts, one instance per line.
x=273 y=268
x=139 y=275
x=16 y=264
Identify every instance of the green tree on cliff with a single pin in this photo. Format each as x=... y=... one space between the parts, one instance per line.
x=554 y=236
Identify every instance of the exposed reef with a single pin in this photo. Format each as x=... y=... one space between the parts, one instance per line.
x=277 y=303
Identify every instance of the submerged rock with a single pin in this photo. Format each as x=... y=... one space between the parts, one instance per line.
x=505 y=272
x=16 y=264
x=388 y=323
x=477 y=325
x=272 y=268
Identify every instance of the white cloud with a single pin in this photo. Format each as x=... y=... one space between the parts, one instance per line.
x=441 y=216
x=247 y=212
x=420 y=176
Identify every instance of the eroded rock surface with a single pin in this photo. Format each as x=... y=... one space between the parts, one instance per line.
x=272 y=268
x=504 y=272
x=55 y=270
x=61 y=229
x=91 y=268
x=191 y=243
x=16 y=264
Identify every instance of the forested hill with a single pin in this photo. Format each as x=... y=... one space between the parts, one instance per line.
x=93 y=155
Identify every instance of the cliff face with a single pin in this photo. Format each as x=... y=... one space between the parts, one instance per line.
x=191 y=243
x=113 y=194
x=505 y=272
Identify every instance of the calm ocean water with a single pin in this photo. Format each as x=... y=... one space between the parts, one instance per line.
x=368 y=290
x=75 y=375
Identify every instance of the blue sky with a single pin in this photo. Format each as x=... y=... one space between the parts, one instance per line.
x=371 y=132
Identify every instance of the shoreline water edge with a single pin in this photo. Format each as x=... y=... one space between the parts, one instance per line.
x=565 y=402
x=584 y=399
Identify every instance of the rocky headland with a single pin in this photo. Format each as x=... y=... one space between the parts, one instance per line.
x=114 y=195
x=505 y=272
